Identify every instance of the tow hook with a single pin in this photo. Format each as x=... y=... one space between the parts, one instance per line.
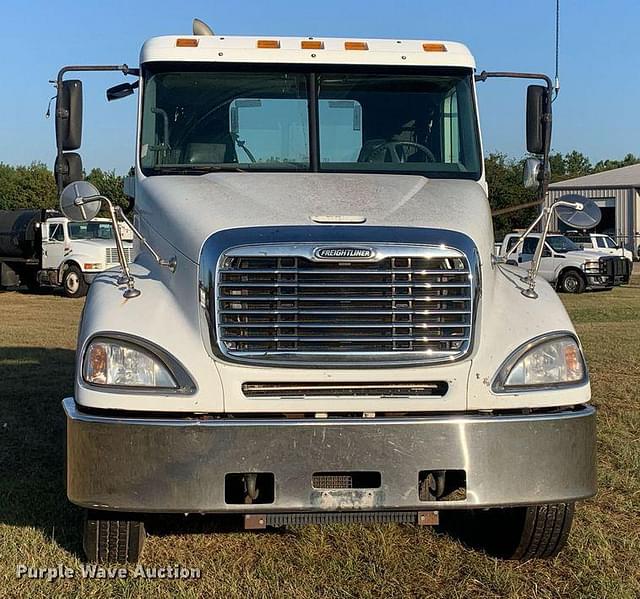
x=251 y=487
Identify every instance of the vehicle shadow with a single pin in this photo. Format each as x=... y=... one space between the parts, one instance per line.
x=33 y=381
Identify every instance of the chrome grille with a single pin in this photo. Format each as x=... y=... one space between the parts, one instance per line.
x=410 y=303
x=112 y=255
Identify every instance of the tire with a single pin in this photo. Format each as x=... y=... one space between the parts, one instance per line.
x=112 y=537
x=520 y=533
x=545 y=531
x=572 y=281
x=73 y=283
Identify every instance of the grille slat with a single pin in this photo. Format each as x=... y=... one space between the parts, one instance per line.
x=346 y=271
x=407 y=307
x=344 y=298
x=303 y=312
x=301 y=285
x=324 y=325
x=111 y=256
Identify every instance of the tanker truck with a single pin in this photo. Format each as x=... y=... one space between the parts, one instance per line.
x=315 y=328
x=42 y=248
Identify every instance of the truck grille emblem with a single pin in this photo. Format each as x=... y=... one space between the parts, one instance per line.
x=341 y=253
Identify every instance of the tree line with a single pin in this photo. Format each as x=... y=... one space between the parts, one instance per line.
x=34 y=186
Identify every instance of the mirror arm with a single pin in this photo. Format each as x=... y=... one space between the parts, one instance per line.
x=546 y=122
x=126 y=277
x=537 y=257
x=170 y=264
x=123 y=68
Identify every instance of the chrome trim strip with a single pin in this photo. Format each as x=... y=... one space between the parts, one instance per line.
x=304 y=240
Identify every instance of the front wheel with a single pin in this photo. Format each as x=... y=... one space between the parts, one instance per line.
x=73 y=282
x=111 y=537
x=572 y=282
x=519 y=533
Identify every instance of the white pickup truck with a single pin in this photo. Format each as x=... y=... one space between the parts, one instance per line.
x=314 y=329
x=600 y=243
x=39 y=247
x=567 y=266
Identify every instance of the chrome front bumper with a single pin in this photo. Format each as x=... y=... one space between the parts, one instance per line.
x=179 y=464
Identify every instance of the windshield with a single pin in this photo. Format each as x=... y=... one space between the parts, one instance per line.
x=561 y=244
x=90 y=230
x=200 y=118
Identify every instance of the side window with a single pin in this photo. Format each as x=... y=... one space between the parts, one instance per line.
x=56 y=233
x=600 y=242
x=512 y=241
x=529 y=246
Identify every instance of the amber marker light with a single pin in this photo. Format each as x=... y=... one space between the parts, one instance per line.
x=356 y=46
x=312 y=45
x=273 y=44
x=186 y=42
x=430 y=47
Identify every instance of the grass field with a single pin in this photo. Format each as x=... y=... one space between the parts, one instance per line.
x=39 y=527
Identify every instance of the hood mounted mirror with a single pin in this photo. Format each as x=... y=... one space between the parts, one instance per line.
x=571 y=209
x=81 y=201
x=587 y=218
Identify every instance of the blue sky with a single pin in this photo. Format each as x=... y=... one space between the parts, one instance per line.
x=597 y=112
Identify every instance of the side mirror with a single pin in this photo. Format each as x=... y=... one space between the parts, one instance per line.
x=123 y=90
x=531 y=172
x=69 y=166
x=537 y=107
x=69 y=115
x=80 y=201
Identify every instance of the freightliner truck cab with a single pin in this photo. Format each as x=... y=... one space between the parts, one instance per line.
x=314 y=328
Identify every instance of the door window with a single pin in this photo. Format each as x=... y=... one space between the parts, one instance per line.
x=529 y=246
x=56 y=233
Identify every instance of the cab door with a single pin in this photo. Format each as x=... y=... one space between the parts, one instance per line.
x=53 y=245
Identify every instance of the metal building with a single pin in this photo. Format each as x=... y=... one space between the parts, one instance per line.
x=617 y=193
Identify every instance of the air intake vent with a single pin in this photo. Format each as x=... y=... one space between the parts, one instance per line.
x=405 y=304
x=302 y=391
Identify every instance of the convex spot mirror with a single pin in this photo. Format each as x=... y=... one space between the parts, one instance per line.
x=69 y=167
x=538 y=104
x=531 y=172
x=69 y=115
x=123 y=90
x=80 y=201
x=587 y=218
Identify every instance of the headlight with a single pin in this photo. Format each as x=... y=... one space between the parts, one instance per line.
x=550 y=361
x=117 y=363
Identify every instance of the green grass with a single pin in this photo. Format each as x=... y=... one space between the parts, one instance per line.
x=39 y=527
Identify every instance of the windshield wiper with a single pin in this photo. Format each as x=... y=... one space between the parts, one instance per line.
x=194 y=170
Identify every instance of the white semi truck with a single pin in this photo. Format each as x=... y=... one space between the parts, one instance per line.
x=315 y=329
x=41 y=247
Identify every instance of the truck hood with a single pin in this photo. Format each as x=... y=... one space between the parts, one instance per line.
x=186 y=210
x=590 y=255
x=623 y=253
x=97 y=244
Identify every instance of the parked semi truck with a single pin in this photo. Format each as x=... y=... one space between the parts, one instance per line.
x=41 y=247
x=315 y=328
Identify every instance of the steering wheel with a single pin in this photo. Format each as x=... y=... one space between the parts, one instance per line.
x=395 y=157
